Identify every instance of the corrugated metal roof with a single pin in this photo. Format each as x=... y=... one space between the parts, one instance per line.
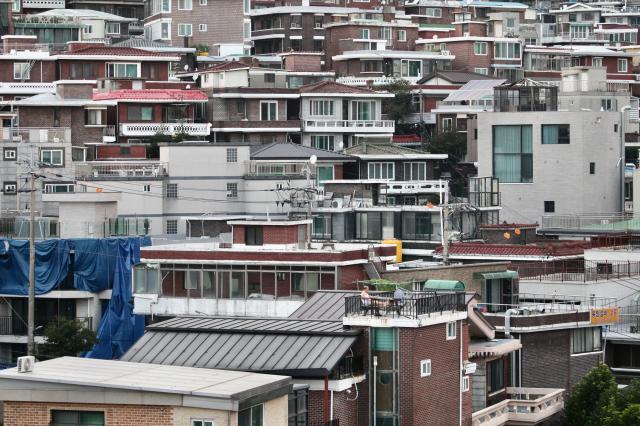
x=291 y=151
x=474 y=90
x=295 y=355
x=324 y=305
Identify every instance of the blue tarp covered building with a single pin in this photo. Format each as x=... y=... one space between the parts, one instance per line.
x=97 y=265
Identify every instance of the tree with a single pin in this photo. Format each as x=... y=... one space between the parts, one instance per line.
x=453 y=144
x=66 y=337
x=593 y=400
x=400 y=105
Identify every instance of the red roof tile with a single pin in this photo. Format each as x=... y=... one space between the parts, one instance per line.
x=574 y=248
x=151 y=95
x=111 y=51
x=406 y=138
x=333 y=87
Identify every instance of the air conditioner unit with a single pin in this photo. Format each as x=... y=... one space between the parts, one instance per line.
x=337 y=203
x=633 y=329
x=25 y=364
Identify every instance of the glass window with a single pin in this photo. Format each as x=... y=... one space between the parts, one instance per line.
x=52 y=157
x=185 y=30
x=232 y=155
x=298 y=407
x=587 y=339
x=381 y=170
x=139 y=113
x=268 y=110
x=596 y=62
x=411 y=68
x=322 y=108
x=164 y=30
x=123 y=70
x=507 y=50
x=495 y=375
x=554 y=134
x=363 y=110
x=9 y=188
x=402 y=35
x=172 y=190
x=483 y=71
x=202 y=28
x=232 y=190
x=166 y=5
x=77 y=418
x=415 y=171
x=451 y=330
x=253 y=235
x=172 y=226
x=112 y=28
x=513 y=154
x=202 y=422
x=549 y=206
x=16 y=5
x=323 y=173
x=363 y=33
x=93 y=117
x=370 y=66
x=253 y=416
x=433 y=12
x=325 y=142
x=480 y=48
x=622 y=65
x=83 y=71
x=21 y=71
x=184 y=5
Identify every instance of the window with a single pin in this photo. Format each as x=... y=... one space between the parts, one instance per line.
x=606 y=105
x=363 y=110
x=402 y=35
x=587 y=339
x=325 y=142
x=268 y=110
x=52 y=157
x=253 y=416
x=202 y=28
x=298 y=407
x=411 y=68
x=495 y=375
x=56 y=188
x=88 y=29
x=296 y=21
x=16 y=5
x=465 y=383
x=184 y=5
x=112 y=28
x=511 y=23
x=323 y=173
x=21 y=71
x=507 y=50
x=77 y=418
x=185 y=30
x=123 y=70
x=146 y=188
x=381 y=170
x=549 y=206
x=370 y=66
x=84 y=71
x=10 y=154
x=425 y=368
x=172 y=190
x=139 y=113
x=202 y=422
x=596 y=62
x=322 y=108
x=363 y=33
x=9 y=188
x=483 y=71
x=232 y=155
x=232 y=190
x=434 y=12
x=253 y=235
x=172 y=226
x=269 y=77
x=203 y=2
x=615 y=128
x=164 y=31
x=513 y=154
x=93 y=117
x=480 y=48
x=318 y=21
x=415 y=171
x=451 y=330
x=166 y=5
x=622 y=65
x=555 y=134
x=592 y=168
x=447 y=124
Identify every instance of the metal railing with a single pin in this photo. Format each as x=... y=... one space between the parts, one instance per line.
x=111 y=169
x=360 y=125
x=536 y=303
x=126 y=226
x=628 y=320
x=36 y=134
x=577 y=270
x=376 y=81
x=15 y=326
x=524 y=406
x=412 y=305
x=591 y=222
x=109 y=130
x=275 y=169
x=44 y=4
x=150 y=129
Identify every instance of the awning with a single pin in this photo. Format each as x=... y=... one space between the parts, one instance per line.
x=495 y=347
x=495 y=275
x=443 y=285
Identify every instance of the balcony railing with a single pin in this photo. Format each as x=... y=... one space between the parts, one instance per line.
x=150 y=129
x=412 y=305
x=579 y=270
x=43 y=4
x=525 y=406
x=608 y=222
x=363 y=126
x=534 y=303
x=120 y=169
x=14 y=326
x=36 y=135
x=275 y=169
x=376 y=81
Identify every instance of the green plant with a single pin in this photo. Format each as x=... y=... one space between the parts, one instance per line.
x=66 y=337
x=400 y=105
x=593 y=399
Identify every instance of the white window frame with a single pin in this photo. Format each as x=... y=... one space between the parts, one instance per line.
x=203 y=422
x=404 y=70
x=23 y=71
x=409 y=165
x=51 y=151
x=203 y=2
x=232 y=155
x=16 y=6
x=447 y=127
x=375 y=170
x=88 y=29
x=171 y=226
x=402 y=35
x=361 y=33
x=232 y=190
x=596 y=62
x=509 y=46
x=162 y=3
x=433 y=12
x=203 y=28
x=275 y=118
x=115 y=66
x=425 y=368
x=322 y=108
x=9 y=188
x=13 y=154
x=146 y=188
x=114 y=24
x=182 y=28
x=328 y=140
x=49 y=186
x=186 y=4
x=483 y=71
x=168 y=36
x=451 y=330
x=480 y=48
x=625 y=65
x=96 y=113
x=465 y=383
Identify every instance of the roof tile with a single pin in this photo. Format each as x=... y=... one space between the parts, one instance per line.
x=151 y=95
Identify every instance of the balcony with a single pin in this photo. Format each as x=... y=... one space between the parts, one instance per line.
x=14 y=326
x=43 y=4
x=376 y=81
x=588 y=223
x=109 y=134
x=97 y=170
x=359 y=126
x=53 y=135
x=150 y=129
x=268 y=169
x=525 y=406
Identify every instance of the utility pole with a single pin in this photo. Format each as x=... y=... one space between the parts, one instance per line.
x=32 y=269
x=445 y=233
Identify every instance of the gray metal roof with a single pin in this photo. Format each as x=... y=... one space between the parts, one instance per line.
x=474 y=90
x=291 y=151
x=323 y=305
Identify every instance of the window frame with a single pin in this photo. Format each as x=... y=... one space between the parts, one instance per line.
x=184 y=4
x=433 y=12
x=402 y=33
x=78 y=414
x=481 y=70
x=51 y=151
x=465 y=385
x=22 y=71
x=203 y=422
x=451 y=332
x=232 y=191
x=139 y=116
x=94 y=113
x=171 y=190
x=581 y=335
x=113 y=66
x=250 y=421
x=523 y=156
x=322 y=108
x=625 y=68
x=561 y=140
x=425 y=367
x=171 y=227
x=232 y=155
x=483 y=50
x=106 y=28
x=6 y=188
x=498 y=50
x=12 y=157
x=422 y=170
x=182 y=33
x=378 y=166
x=447 y=127
x=549 y=206
x=203 y=28
x=269 y=111
x=327 y=142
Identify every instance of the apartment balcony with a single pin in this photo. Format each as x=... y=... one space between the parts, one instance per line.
x=100 y=170
x=150 y=129
x=43 y=4
x=268 y=33
x=376 y=81
x=14 y=326
x=525 y=406
x=109 y=134
x=350 y=126
x=588 y=223
x=563 y=37
x=26 y=88
x=258 y=169
x=53 y=135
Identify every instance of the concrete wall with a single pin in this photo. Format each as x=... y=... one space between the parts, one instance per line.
x=560 y=172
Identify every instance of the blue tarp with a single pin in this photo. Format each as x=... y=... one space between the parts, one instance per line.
x=99 y=264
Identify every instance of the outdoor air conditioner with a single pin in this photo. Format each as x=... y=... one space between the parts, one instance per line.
x=633 y=329
x=25 y=364
x=337 y=203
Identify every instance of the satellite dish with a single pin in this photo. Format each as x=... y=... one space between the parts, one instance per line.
x=313 y=159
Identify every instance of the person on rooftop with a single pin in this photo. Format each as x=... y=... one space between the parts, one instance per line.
x=365 y=296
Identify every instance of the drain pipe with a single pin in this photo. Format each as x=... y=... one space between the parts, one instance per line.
x=507 y=321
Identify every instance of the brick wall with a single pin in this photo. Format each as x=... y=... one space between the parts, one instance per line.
x=350 y=275
x=41 y=71
x=465 y=58
x=38 y=414
x=104 y=152
x=306 y=62
x=224 y=19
